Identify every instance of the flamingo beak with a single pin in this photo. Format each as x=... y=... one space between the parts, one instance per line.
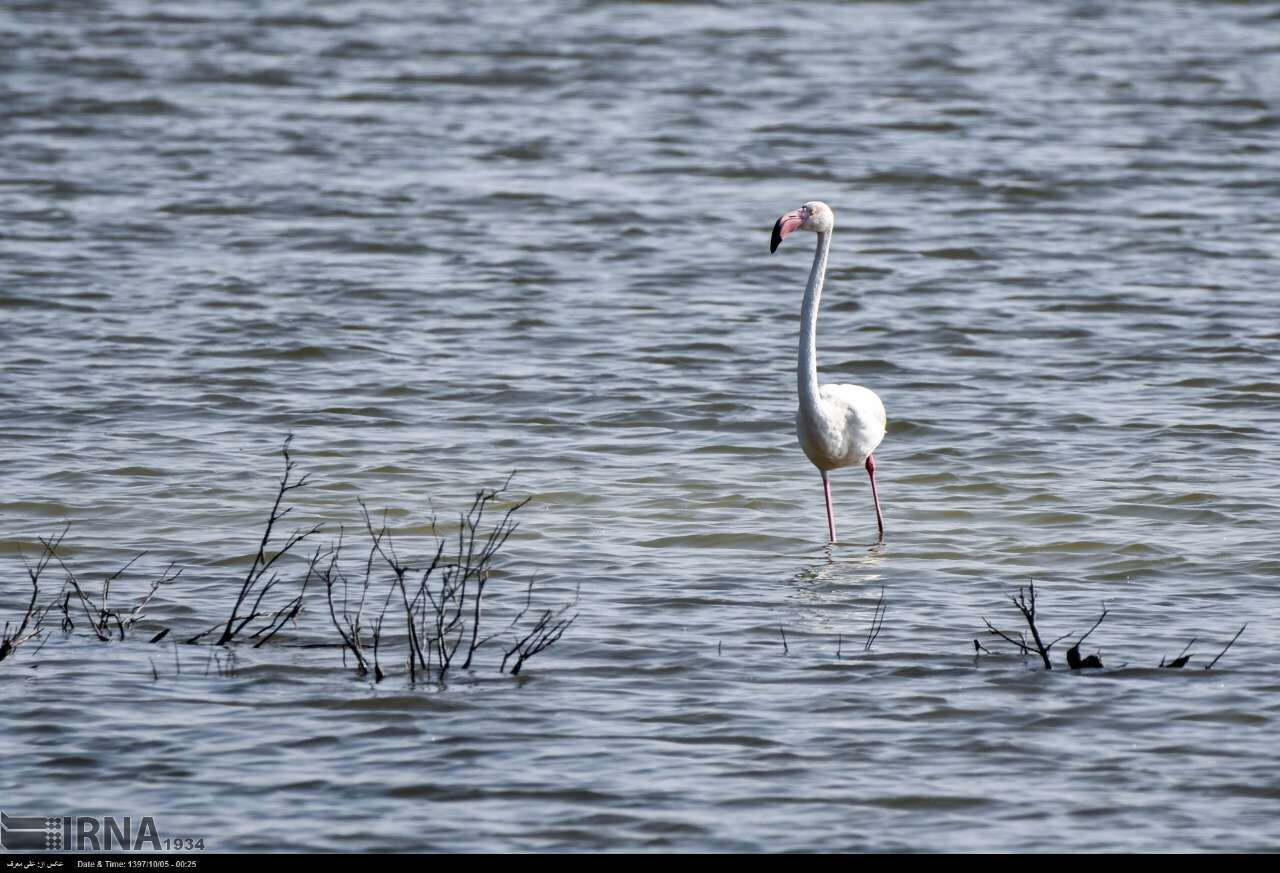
x=785 y=225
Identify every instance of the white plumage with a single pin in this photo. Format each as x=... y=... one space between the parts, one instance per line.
x=843 y=428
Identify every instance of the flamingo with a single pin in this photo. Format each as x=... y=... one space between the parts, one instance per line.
x=837 y=425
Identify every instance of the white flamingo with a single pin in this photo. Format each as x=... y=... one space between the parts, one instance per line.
x=838 y=425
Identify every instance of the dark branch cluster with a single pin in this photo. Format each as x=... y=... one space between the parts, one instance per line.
x=546 y=630
x=1025 y=602
x=104 y=620
x=441 y=601
x=1183 y=657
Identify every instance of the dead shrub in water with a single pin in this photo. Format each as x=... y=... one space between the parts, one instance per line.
x=441 y=601
x=1025 y=602
x=105 y=621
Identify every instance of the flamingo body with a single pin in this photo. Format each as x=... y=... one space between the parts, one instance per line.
x=843 y=428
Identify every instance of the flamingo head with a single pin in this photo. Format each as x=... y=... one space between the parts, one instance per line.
x=815 y=216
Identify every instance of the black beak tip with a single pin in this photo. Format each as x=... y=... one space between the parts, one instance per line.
x=776 y=239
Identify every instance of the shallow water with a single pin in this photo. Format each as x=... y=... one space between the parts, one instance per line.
x=440 y=246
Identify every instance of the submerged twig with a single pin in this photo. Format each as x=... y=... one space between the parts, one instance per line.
x=1209 y=666
x=877 y=622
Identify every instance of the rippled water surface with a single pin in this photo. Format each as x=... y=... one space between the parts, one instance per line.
x=441 y=245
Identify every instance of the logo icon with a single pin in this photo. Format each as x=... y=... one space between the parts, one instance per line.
x=26 y=833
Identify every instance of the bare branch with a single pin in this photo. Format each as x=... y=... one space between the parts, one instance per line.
x=877 y=622
x=1020 y=642
x=1027 y=606
x=257 y=584
x=1209 y=666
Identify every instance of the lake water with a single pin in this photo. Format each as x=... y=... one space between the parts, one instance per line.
x=439 y=246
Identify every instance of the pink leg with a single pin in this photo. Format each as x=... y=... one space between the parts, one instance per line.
x=871 y=471
x=831 y=515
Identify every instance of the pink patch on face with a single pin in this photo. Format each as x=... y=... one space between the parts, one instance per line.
x=785 y=225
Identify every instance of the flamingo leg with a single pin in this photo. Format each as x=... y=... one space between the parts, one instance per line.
x=871 y=471
x=831 y=514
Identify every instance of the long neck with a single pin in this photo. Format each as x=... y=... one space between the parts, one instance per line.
x=807 y=366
